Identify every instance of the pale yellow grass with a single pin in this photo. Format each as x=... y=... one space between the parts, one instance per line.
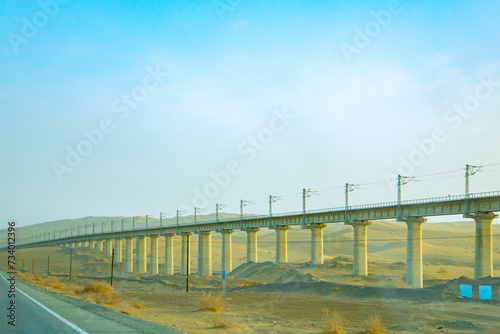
x=212 y=302
x=332 y=322
x=99 y=292
x=374 y=325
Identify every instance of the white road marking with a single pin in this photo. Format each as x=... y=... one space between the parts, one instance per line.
x=70 y=324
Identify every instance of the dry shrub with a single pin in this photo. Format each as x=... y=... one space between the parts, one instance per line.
x=212 y=302
x=99 y=292
x=218 y=321
x=52 y=282
x=459 y=264
x=138 y=306
x=374 y=325
x=442 y=271
x=332 y=323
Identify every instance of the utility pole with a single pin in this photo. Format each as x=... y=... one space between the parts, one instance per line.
x=348 y=188
x=243 y=203
x=187 y=260
x=48 y=265
x=102 y=227
x=122 y=224
x=305 y=194
x=112 y=265
x=133 y=223
x=111 y=226
x=161 y=217
x=217 y=208
x=272 y=199
x=196 y=210
x=93 y=228
x=146 y=222
x=469 y=171
x=402 y=180
x=70 y=262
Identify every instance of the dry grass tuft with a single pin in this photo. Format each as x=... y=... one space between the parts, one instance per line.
x=99 y=292
x=332 y=323
x=44 y=282
x=53 y=282
x=442 y=271
x=138 y=306
x=247 y=283
x=218 y=321
x=212 y=302
x=374 y=325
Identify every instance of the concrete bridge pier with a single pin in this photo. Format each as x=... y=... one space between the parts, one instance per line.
x=414 y=262
x=80 y=244
x=360 y=254
x=227 y=259
x=118 y=250
x=169 y=254
x=484 y=244
x=154 y=255
x=185 y=259
x=204 y=253
x=251 y=244
x=129 y=255
x=141 y=255
x=109 y=247
x=92 y=245
x=100 y=245
x=317 y=243
x=281 y=243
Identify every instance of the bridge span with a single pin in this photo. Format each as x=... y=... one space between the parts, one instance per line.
x=480 y=207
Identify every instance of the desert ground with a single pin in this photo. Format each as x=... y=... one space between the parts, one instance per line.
x=296 y=297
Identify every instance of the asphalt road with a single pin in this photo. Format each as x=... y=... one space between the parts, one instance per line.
x=38 y=312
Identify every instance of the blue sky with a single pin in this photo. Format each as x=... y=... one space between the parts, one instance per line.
x=353 y=119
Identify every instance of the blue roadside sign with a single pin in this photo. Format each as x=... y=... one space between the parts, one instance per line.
x=223 y=274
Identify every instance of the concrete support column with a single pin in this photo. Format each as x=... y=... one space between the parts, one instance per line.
x=100 y=245
x=92 y=245
x=109 y=247
x=129 y=255
x=360 y=256
x=154 y=255
x=118 y=250
x=281 y=244
x=317 y=243
x=141 y=255
x=205 y=253
x=87 y=244
x=80 y=244
x=252 y=244
x=169 y=254
x=414 y=262
x=484 y=244
x=185 y=257
x=227 y=257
